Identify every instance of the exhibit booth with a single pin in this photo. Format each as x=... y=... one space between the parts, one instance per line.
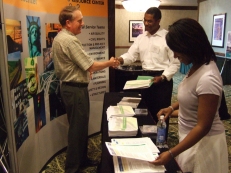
x=36 y=122
x=35 y=116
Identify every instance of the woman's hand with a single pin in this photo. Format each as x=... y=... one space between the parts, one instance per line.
x=166 y=112
x=162 y=159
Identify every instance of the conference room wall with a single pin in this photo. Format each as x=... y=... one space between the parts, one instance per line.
x=122 y=18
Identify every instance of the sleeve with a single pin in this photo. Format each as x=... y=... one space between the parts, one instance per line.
x=209 y=84
x=174 y=65
x=133 y=52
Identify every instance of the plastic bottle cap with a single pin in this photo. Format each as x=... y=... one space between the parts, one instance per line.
x=162 y=117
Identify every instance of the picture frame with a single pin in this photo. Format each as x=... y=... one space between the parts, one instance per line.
x=228 y=46
x=136 y=27
x=218 y=32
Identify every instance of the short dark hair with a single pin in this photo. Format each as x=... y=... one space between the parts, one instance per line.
x=67 y=14
x=155 y=12
x=188 y=37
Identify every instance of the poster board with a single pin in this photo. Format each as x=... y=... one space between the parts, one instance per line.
x=40 y=128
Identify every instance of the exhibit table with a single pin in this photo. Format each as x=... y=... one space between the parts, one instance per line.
x=111 y=99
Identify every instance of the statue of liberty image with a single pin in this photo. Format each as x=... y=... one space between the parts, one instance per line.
x=34 y=34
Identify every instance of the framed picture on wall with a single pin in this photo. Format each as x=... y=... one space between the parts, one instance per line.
x=218 y=30
x=228 y=46
x=136 y=27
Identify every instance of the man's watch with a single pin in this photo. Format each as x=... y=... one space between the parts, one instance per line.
x=163 y=78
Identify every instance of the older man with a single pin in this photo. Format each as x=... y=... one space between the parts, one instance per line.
x=74 y=67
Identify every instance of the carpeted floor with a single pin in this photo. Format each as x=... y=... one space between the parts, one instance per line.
x=94 y=152
x=56 y=165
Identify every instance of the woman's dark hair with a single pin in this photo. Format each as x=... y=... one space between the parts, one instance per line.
x=67 y=14
x=187 y=36
x=155 y=12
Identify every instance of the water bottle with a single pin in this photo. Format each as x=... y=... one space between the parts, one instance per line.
x=161 y=132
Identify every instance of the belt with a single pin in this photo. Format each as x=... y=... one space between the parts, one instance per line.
x=75 y=84
x=150 y=72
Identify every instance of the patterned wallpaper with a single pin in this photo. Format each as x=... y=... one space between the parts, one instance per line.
x=122 y=24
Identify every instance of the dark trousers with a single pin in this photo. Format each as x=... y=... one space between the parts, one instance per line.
x=76 y=100
x=158 y=96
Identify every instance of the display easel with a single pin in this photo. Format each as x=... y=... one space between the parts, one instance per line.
x=3 y=159
x=223 y=66
x=3 y=142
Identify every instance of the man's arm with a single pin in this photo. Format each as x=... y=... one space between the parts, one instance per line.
x=96 y=66
x=174 y=66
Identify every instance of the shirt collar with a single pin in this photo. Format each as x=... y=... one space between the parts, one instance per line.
x=160 y=33
x=66 y=31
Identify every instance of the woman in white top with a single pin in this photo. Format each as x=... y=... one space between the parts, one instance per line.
x=202 y=144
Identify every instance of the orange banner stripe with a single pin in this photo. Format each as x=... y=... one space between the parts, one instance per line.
x=88 y=7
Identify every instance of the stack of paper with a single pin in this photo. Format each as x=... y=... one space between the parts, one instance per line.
x=137 y=84
x=122 y=126
x=136 y=141
x=130 y=101
x=127 y=165
x=147 y=129
x=132 y=155
x=141 y=111
x=120 y=111
x=140 y=83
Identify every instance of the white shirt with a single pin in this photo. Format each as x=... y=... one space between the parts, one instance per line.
x=206 y=80
x=154 y=53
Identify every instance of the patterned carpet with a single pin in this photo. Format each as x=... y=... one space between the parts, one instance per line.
x=57 y=163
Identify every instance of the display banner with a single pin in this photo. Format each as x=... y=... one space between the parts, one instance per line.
x=39 y=117
x=89 y=7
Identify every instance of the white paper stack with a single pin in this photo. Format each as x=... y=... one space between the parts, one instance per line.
x=130 y=101
x=137 y=84
x=122 y=126
x=120 y=111
x=132 y=155
x=127 y=165
x=136 y=141
x=147 y=129
x=139 y=111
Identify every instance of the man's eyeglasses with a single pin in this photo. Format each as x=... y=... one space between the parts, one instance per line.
x=148 y=21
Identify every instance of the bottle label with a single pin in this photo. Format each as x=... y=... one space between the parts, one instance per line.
x=161 y=135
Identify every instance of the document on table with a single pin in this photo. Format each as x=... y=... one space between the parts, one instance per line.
x=130 y=101
x=127 y=165
x=136 y=141
x=122 y=126
x=140 y=83
x=120 y=111
x=141 y=111
x=134 y=151
x=145 y=129
x=132 y=155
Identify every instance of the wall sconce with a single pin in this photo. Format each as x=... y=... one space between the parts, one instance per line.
x=139 y=5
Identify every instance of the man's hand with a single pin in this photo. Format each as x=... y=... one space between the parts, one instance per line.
x=157 y=79
x=115 y=61
x=91 y=75
x=121 y=60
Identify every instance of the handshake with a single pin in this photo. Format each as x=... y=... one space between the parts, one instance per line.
x=116 y=61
